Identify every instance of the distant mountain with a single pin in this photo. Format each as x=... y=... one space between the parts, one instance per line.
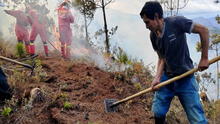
x=133 y=37
x=211 y=23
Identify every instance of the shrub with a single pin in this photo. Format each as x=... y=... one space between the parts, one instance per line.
x=6 y=111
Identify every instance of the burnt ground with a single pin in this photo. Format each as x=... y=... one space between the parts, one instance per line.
x=85 y=87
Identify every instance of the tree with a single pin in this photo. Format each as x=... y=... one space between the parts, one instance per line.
x=174 y=6
x=102 y=4
x=216 y=1
x=87 y=8
x=204 y=79
x=215 y=40
x=90 y=6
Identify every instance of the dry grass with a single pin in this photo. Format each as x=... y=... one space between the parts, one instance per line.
x=7 y=48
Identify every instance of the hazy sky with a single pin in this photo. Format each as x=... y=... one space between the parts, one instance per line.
x=125 y=13
x=193 y=6
x=131 y=35
x=135 y=38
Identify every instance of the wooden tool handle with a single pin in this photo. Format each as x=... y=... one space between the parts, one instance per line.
x=17 y=62
x=164 y=83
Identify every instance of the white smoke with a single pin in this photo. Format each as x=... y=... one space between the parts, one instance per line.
x=80 y=48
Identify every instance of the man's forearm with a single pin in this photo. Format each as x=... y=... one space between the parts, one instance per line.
x=204 y=43
x=204 y=37
x=160 y=67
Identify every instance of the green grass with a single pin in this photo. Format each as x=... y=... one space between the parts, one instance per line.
x=20 y=50
x=6 y=111
x=67 y=105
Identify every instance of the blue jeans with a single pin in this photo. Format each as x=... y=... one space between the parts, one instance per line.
x=187 y=91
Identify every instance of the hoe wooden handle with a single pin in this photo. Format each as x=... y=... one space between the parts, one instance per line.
x=17 y=62
x=165 y=82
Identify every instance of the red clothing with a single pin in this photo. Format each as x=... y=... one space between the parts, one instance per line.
x=21 y=24
x=38 y=23
x=65 y=18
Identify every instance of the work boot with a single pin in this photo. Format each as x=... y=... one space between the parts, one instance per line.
x=63 y=51
x=67 y=52
x=32 y=48
x=46 y=49
x=27 y=47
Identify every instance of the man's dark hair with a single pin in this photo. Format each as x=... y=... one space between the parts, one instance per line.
x=150 y=9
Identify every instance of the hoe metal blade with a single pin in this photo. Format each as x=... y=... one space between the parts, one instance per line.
x=109 y=107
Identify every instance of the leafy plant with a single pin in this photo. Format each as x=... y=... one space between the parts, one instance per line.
x=121 y=56
x=6 y=111
x=138 y=86
x=67 y=105
x=20 y=50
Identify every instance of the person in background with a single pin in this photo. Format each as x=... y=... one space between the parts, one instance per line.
x=21 y=27
x=65 y=18
x=38 y=23
x=168 y=38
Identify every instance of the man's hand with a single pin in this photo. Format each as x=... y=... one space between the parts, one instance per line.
x=154 y=83
x=203 y=64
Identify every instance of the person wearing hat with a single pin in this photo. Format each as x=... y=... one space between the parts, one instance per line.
x=38 y=26
x=65 y=18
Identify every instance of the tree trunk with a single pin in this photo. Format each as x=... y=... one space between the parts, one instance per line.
x=217 y=75
x=86 y=28
x=105 y=29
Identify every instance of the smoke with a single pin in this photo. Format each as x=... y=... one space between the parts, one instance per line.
x=80 y=48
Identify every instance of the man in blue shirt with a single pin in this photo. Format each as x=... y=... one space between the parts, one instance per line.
x=169 y=41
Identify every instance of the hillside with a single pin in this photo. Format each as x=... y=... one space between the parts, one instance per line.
x=83 y=86
x=73 y=92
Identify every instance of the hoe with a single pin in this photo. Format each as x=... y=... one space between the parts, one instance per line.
x=111 y=105
x=17 y=62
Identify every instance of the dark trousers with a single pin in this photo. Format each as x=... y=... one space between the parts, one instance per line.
x=4 y=87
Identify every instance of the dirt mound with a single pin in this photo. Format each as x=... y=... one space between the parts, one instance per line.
x=74 y=94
